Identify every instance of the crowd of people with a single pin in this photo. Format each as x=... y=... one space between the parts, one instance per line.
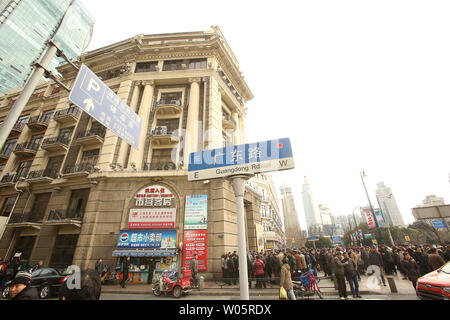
x=345 y=265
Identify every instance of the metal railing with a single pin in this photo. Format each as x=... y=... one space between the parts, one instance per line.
x=61 y=215
x=80 y=167
x=159 y=166
x=43 y=173
x=19 y=126
x=27 y=146
x=175 y=102
x=26 y=217
x=93 y=132
x=64 y=139
x=71 y=110
x=9 y=178
x=38 y=119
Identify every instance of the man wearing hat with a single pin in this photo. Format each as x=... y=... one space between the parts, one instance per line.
x=20 y=287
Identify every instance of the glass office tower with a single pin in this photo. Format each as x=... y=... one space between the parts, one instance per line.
x=25 y=28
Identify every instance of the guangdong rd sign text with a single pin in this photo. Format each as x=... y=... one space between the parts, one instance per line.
x=251 y=158
x=95 y=98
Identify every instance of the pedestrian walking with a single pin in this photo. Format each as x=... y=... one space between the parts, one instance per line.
x=330 y=262
x=276 y=268
x=286 y=280
x=99 y=267
x=124 y=268
x=435 y=260
x=365 y=258
x=20 y=287
x=339 y=273
x=235 y=271
x=249 y=269
x=259 y=272
x=375 y=259
x=411 y=268
x=351 y=274
x=193 y=266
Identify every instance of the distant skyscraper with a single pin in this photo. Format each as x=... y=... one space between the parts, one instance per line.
x=293 y=232
x=388 y=205
x=25 y=28
x=312 y=213
x=325 y=214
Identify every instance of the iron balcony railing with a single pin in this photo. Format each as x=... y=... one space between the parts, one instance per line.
x=43 y=173
x=159 y=166
x=64 y=139
x=27 y=146
x=19 y=126
x=61 y=215
x=80 y=167
x=8 y=178
x=163 y=131
x=38 y=119
x=26 y=217
x=64 y=112
x=174 y=102
x=93 y=132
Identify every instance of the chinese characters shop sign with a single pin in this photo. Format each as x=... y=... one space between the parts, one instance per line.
x=147 y=239
x=155 y=207
x=195 y=242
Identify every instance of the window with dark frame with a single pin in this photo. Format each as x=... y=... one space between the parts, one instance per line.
x=8 y=147
x=24 y=168
x=78 y=201
x=46 y=116
x=172 y=65
x=146 y=66
x=197 y=63
x=90 y=157
x=161 y=158
x=7 y=206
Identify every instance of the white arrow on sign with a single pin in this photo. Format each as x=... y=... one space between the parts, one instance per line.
x=89 y=104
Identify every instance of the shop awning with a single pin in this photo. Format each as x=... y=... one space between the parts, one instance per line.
x=144 y=252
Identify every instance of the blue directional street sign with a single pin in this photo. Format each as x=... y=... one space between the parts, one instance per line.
x=251 y=158
x=336 y=238
x=94 y=97
x=313 y=239
x=439 y=224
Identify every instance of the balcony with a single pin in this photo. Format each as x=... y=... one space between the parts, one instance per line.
x=17 y=129
x=62 y=217
x=26 y=219
x=77 y=170
x=91 y=137
x=228 y=123
x=67 y=116
x=27 y=149
x=9 y=178
x=42 y=175
x=4 y=155
x=163 y=136
x=168 y=107
x=56 y=144
x=160 y=166
x=38 y=123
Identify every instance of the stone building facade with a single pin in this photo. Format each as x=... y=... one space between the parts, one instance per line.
x=68 y=184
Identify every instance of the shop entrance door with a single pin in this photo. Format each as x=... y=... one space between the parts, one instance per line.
x=63 y=251
x=24 y=245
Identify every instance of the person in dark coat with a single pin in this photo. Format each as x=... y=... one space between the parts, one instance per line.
x=151 y=270
x=268 y=270
x=351 y=274
x=99 y=267
x=339 y=272
x=375 y=259
x=435 y=260
x=388 y=259
x=330 y=262
x=446 y=254
x=124 y=267
x=365 y=259
x=411 y=268
x=235 y=274
x=421 y=260
x=276 y=265
x=20 y=287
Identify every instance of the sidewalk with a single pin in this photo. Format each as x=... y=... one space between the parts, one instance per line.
x=218 y=288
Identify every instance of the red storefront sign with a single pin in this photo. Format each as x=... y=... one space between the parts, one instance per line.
x=195 y=242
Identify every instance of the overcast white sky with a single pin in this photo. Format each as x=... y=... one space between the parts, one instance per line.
x=356 y=85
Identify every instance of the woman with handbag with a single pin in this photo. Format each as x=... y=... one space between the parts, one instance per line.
x=286 y=281
x=258 y=272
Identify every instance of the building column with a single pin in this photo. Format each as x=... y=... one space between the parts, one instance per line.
x=193 y=124
x=123 y=144
x=137 y=156
x=235 y=117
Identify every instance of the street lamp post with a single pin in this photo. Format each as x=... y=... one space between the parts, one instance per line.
x=387 y=222
x=363 y=175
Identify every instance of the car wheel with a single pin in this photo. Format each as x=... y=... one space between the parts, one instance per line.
x=44 y=293
x=177 y=292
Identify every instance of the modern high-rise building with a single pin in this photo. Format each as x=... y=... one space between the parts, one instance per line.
x=292 y=228
x=388 y=205
x=25 y=28
x=312 y=212
x=83 y=193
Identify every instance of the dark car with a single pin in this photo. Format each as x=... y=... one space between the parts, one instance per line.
x=46 y=280
x=435 y=285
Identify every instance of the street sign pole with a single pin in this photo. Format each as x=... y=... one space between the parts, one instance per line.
x=239 y=190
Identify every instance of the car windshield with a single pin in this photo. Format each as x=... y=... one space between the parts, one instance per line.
x=446 y=268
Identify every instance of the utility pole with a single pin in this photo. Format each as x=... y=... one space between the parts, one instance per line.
x=387 y=222
x=363 y=174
